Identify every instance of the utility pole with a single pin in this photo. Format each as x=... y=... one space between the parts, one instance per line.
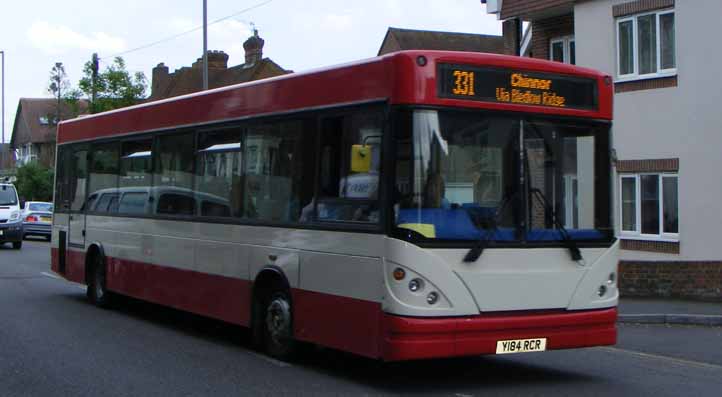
x=94 y=83
x=205 y=45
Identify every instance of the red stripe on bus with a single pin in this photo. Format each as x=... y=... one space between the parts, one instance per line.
x=220 y=297
x=407 y=338
x=339 y=322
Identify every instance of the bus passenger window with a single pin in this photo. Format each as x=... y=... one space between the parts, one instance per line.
x=350 y=168
x=279 y=170
x=219 y=163
x=173 y=173
x=103 y=175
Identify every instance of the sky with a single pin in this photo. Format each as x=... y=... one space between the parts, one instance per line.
x=299 y=35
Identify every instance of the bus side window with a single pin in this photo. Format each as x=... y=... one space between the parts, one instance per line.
x=173 y=173
x=279 y=170
x=219 y=166
x=103 y=174
x=350 y=167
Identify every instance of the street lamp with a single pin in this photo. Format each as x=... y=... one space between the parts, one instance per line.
x=205 y=45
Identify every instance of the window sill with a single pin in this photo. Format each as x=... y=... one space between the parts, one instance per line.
x=650 y=76
x=657 y=245
x=645 y=83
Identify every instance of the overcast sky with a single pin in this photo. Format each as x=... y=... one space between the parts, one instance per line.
x=299 y=35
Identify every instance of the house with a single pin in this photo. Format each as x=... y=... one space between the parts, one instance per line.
x=397 y=39
x=190 y=79
x=663 y=63
x=34 y=130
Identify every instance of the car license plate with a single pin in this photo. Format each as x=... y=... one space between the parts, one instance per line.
x=521 y=345
x=45 y=218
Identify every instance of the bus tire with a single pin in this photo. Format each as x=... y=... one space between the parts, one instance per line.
x=17 y=245
x=277 y=326
x=97 y=292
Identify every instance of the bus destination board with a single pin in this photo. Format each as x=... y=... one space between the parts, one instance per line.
x=516 y=87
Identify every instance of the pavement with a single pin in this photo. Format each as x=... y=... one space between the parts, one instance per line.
x=669 y=311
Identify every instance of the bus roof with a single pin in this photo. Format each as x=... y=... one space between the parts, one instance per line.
x=397 y=78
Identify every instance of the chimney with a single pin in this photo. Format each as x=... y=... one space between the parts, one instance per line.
x=160 y=79
x=217 y=60
x=254 y=49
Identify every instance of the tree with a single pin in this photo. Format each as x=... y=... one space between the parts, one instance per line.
x=60 y=88
x=114 y=88
x=34 y=182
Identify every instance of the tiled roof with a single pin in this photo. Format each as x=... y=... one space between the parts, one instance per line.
x=187 y=80
x=38 y=114
x=408 y=39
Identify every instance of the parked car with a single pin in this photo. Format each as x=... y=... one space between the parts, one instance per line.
x=38 y=219
x=11 y=225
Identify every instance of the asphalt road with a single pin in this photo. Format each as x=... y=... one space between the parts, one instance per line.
x=54 y=343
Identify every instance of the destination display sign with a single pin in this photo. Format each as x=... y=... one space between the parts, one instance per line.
x=516 y=87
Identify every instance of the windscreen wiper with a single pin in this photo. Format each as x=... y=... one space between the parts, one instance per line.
x=549 y=210
x=475 y=252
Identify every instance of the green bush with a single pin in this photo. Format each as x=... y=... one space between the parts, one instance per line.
x=35 y=182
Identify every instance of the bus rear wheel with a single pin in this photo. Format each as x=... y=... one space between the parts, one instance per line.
x=97 y=292
x=278 y=326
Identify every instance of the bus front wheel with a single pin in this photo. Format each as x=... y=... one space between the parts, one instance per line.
x=278 y=326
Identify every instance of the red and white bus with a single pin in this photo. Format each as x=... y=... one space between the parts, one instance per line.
x=415 y=205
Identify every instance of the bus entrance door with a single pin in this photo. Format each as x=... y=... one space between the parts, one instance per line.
x=76 y=230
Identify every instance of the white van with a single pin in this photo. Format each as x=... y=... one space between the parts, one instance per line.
x=11 y=222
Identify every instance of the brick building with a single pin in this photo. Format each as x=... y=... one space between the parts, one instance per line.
x=397 y=39
x=667 y=210
x=35 y=127
x=190 y=79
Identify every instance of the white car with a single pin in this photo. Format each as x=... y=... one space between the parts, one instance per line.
x=11 y=222
x=38 y=219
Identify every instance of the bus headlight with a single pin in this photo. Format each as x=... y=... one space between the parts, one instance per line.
x=413 y=290
x=602 y=291
x=612 y=278
x=416 y=285
x=432 y=298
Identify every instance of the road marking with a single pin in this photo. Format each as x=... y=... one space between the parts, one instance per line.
x=273 y=361
x=46 y=274
x=679 y=361
x=51 y=275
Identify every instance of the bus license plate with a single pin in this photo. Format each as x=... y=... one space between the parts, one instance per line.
x=521 y=346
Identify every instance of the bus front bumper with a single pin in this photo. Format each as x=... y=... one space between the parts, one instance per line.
x=410 y=338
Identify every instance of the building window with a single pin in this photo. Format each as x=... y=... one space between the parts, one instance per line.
x=649 y=206
x=563 y=49
x=646 y=46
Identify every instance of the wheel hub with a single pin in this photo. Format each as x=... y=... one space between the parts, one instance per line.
x=278 y=319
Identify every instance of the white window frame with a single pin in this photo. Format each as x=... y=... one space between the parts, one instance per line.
x=637 y=233
x=566 y=45
x=635 y=48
